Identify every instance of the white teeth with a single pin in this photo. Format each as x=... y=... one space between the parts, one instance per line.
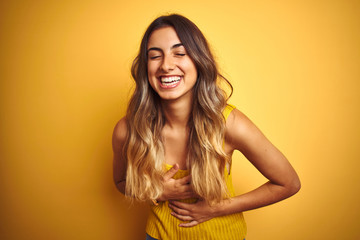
x=167 y=80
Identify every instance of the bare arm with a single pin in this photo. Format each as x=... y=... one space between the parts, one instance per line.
x=243 y=135
x=283 y=182
x=119 y=163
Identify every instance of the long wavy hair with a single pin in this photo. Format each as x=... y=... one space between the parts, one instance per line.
x=144 y=150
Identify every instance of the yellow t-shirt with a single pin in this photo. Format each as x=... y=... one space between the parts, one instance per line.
x=162 y=225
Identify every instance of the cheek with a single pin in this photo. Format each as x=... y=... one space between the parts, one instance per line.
x=190 y=67
x=191 y=70
x=151 y=75
x=148 y=69
x=151 y=69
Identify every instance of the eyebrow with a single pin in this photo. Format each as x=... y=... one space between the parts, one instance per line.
x=159 y=49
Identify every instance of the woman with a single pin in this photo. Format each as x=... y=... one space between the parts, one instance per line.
x=174 y=145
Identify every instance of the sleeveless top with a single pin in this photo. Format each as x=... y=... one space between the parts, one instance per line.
x=162 y=225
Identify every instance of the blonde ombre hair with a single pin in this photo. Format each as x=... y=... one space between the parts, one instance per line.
x=144 y=150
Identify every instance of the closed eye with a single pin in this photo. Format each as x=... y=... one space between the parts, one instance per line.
x=154 y=57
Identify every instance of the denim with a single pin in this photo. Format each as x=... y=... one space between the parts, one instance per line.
x=148 y=237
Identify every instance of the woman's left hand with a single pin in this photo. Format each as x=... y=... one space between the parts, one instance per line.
x=193 y=213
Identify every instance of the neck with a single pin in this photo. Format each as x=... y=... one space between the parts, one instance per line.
x=177 y=113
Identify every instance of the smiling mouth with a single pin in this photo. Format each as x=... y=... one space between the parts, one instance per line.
x=170 y=81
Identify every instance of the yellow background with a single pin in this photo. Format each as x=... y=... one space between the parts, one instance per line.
x=65 y=82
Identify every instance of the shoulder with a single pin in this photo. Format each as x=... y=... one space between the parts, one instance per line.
x=239 y=129
x=236 y=119
x=119 y=133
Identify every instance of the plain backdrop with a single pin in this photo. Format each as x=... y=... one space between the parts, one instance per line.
x=65 y=82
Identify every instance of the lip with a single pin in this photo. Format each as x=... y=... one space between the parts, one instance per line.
x=170 y=84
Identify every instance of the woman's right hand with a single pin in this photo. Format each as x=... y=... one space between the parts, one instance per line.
x=176 y=189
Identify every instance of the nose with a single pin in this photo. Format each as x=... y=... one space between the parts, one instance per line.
x=167 y=64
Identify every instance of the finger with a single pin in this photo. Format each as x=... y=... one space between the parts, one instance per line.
x=184 y=180
x=181 y=217
x=188 y=194
x=184 y=194
x=190 y=224
x=185 y=189
x=169 y=174
x=182 y=205
x=178 y=210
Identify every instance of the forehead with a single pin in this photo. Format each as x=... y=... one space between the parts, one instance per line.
x=163 y=38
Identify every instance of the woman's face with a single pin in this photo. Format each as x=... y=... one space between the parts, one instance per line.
x=171 y=72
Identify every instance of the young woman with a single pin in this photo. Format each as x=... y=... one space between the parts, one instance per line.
x=174 y=145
